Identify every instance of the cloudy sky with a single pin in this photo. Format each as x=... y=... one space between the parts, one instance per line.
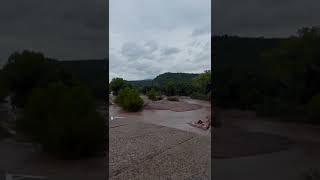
x=149 y=37
x=63 y=29
x=269 y=18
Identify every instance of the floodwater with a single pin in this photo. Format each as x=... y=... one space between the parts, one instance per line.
x=168 y=118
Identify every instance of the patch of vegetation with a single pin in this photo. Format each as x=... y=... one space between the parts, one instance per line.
x=64 y=120
x=152 y=94
x=275 y=77
x=59 y=110
x=129 y=99
x=118 y=84
x=27 y=70
x=181 y=84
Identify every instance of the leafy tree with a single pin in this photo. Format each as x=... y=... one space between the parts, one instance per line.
x=152 y=94
x=27 y=70
x=128 y=98
x=117 y=84
x=64 y=121
x=170 y=88
x=202 y=85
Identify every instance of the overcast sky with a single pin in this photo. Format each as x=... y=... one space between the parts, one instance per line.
x=269 y=18
x=63 y=29
x=149 y=37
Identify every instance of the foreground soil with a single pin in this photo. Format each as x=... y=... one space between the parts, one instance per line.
x=251 y=147
x=139 y=150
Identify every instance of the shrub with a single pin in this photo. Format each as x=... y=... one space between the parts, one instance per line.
x=173 y=98
x=64 y=120
x=117 y=84
x=152 y=95
x=129 y=99
x=313 y=108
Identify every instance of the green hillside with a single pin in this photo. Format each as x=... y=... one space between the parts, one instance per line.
x=160 y=80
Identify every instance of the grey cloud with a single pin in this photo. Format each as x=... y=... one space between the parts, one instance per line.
x=151 y=46
x=145 y=33
x=133 y=51
x=201 y=31
x=169 y=51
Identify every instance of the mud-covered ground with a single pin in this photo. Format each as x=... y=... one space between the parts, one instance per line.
x=252 y=147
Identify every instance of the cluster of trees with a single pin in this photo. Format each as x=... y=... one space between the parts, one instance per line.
x=275 y=77
x=126 y=95
x=59 y=111
x=177 y=84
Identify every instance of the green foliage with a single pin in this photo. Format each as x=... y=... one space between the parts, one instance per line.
x=313 y=108
x=176 y=78
x=152 y=94
x=170 y=88
x=117 y=84
x=27 y=70
x=276 y=77
x=64 y=121
x=202 y=85
x=128 y=98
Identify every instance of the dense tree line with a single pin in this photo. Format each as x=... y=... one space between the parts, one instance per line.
x=178 y=84
x=275 y=77
x=169 y=84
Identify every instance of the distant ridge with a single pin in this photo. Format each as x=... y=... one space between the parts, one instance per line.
x=161 y=79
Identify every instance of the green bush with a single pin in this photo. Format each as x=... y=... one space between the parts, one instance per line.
x=64 y=120
x=117 y=84
x=129 y=99
x=173 y=98
x=313 y=108
x=152 y=95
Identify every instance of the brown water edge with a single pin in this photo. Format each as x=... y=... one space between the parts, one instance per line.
x=170 y=114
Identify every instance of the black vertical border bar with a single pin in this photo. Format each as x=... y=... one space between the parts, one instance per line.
x=212 y=90
x=107 y=93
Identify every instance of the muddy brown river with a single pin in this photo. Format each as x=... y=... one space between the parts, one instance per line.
x=169 y=118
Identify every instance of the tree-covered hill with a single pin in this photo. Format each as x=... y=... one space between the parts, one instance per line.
x=161 y=79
